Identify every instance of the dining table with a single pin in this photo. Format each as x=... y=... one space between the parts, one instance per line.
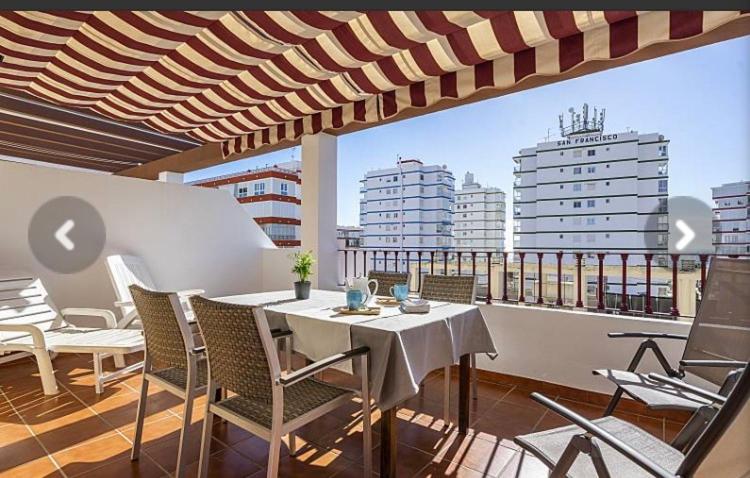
x=404 y=347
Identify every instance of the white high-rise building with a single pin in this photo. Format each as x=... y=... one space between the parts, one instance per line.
x=479 y=217
x=731 y=223
x=408 y=207
x=592 y=192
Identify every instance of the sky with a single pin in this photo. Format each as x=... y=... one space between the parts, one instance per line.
x=698 y=99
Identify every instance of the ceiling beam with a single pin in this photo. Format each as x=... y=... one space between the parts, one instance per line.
x=210 y=154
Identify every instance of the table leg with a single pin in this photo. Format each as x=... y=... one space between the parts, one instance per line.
x=388 y=440
x=464 y=376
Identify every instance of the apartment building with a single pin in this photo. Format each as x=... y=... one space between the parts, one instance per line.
x=592 y=191
x=479 y=217
x=349 y=237
x=407 y=207
x=271 y=195
x=731 y=222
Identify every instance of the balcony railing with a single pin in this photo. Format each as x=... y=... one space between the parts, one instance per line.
x=585 y=286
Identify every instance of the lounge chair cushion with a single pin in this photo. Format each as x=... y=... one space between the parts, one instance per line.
x=549 y=446
x=300 y=398
x=656 y=395
x=84 y=340
x=178 y=376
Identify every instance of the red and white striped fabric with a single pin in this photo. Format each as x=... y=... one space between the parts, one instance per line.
x=252 y=78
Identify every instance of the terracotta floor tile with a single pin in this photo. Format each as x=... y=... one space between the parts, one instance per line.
x=40 y=467
x=156 y=431
x=410 y=460
x=92 y=454
x=521 y=397
x=524 y=465
x=18 y=446
x=165 y=452
x=346 y=440
x=671 y=429
x=225 y=464
x=448 y=468
x=257 y=449
x=144 y=467
x=476 y=453
x=312 y=462
x=506 y=420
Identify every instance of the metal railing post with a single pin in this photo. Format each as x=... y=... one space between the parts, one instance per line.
x=432 y=262
x=579 y=298
x=489 y=277
x=385 y=261
x=624 y=298
x=674 y=311
x=419 y=270
x=396 y=261
x=521 y=298
x=539 y=298
x=559 y=301
x=346 y=263
x=600 y=291
x=647 y=309
x=459 y=262
x=355 y=263
x=445 y=263
x=505 y=277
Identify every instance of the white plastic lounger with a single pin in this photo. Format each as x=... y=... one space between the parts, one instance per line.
x=31 y=324
x=126 y=270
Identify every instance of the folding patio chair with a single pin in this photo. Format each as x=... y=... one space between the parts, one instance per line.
x=126 y=270
x=31 y=324
x=718 y=345
x=459 y=290
x=172 y=361
x=386 y=280
x=242 y=358
x=614 y=447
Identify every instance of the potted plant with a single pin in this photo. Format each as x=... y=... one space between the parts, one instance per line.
x=303 y=262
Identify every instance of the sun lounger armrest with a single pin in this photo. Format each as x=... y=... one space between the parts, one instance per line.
x=107 y=315
x=713 y=363
x=601 y=434
x=321 y=365
x=645 y=335
x=36 y=333
x=124 y=303
x=190 y=292
x=714 y=397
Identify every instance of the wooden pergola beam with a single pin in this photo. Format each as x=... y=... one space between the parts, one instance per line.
x=210 y=154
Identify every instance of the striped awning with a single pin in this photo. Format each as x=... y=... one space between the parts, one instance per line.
x=252 y=78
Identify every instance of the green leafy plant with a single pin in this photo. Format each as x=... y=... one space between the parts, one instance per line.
x=303 y=262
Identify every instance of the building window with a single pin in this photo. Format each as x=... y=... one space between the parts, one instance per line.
x=606 y=201
x=241 y=192
x=562 y=170
x=591 y=169
x=395 y=179
x=284 y=189
x=662 y=185
x=590 y=186
x=591 y=203
x=577 y=170
x=606 y=236
x=259 y=188
x=561 y=186
x=591 y=152
x=561 y=219
x=577 y=153
x=421 y=177
x=590 y=221
x=576 y=204
x=561 y=236
x=576 y=187
x=662 y=150
x=662 y=169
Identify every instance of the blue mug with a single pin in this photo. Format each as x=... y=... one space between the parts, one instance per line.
x=400 y=292
x=354 y=299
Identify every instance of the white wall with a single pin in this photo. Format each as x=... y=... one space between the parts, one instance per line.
x=190 y=237
x=563 y=347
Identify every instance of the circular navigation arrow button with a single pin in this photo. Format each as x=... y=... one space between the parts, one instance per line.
x=67 y=234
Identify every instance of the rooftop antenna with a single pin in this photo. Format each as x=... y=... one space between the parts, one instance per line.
x=562 y=128
x=601 y=120
x=585 y=116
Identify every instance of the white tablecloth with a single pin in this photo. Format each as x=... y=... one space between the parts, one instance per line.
x=404 y=348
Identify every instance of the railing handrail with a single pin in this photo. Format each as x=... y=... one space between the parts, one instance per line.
x=462 y=256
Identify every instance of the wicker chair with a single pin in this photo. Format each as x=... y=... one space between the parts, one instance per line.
x=171 y=361
x=459 y=290
x=242 y=358
x=386 y=280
